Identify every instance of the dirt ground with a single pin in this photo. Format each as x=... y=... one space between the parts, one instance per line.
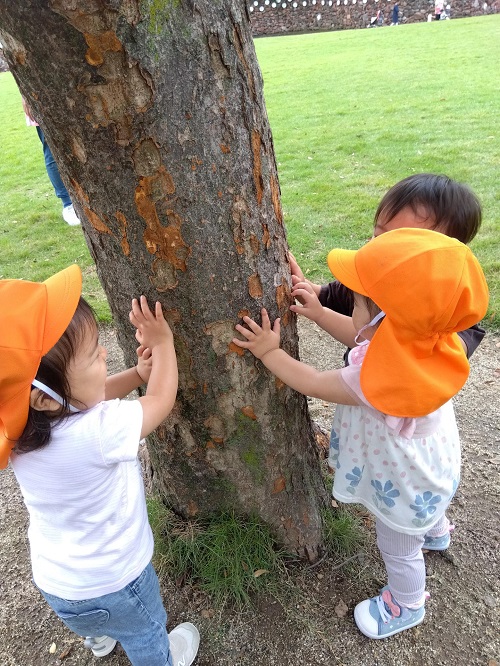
x=315 y=624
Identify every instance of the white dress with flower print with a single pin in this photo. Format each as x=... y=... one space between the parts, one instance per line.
x=405 y=471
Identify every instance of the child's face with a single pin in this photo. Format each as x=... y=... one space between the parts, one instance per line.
x=87 y=371
x=361 y=316
x=406 y=218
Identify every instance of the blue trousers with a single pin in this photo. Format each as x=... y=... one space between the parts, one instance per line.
x=53 y=171
x=134 y=616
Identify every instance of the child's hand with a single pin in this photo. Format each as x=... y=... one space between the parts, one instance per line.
x=144 y=363
x=152 y=329
x=259 y=340
x=305 y=294
x=295 y=268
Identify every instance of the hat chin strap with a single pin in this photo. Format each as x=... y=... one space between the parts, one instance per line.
x=54 y=395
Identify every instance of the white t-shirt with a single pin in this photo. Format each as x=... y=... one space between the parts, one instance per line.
x=89 y=532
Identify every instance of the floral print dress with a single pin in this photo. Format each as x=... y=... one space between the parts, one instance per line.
x=405 y=471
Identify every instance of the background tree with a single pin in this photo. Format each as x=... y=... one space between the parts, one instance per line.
x=155 y=114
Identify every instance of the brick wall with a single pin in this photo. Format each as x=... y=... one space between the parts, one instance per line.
x=275 y=17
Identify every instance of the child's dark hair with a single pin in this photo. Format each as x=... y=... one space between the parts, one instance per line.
x=52 y=372
x=453 y=207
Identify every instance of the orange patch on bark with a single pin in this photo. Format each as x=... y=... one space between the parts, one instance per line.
x=255 y=286
x=234 y=348
x=278 y=383
x=99 y=44
x=210 y=445
x=282 y=297
x=123 y=226
x=279 y=485
x=248 y=411
x=96 y=222
x=82 y=196
x=225 y=149
x=166 y=242
x=266 y=238
x=275 y=195
x=257 y=165
x=254 y=244
x=243 y=313
x=192 y=508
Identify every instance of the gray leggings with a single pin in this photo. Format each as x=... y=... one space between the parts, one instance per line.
x=404 y=561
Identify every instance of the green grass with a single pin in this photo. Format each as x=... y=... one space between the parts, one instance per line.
x=352 y=113
x=344 y=533
x=227 y=556
x=35 y=242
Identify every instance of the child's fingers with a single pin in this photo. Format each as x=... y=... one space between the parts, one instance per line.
x=252 y=325
x=277 y=326
x=158 y=310
x=266 y=324
x=244 y=331
x=143 y=352
x=145 y=308
x=241 y=343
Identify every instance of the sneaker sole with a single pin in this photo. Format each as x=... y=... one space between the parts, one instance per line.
x=104 y=652
x=392 y=633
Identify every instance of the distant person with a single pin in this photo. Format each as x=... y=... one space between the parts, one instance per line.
x=438 y=8
x=377 y=20
x=395 y=14
x=68 y=212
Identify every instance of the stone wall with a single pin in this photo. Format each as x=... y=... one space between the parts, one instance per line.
x=275 y=17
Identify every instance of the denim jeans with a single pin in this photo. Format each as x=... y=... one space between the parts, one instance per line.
x=53 y=171
x=134 y=616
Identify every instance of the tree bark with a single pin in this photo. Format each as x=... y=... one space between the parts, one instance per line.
x=155 y=114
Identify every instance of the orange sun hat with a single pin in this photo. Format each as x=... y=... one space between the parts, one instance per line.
x=429 y=286
x=34 y=316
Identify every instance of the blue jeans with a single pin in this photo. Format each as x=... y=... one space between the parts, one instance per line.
x=134 y=616
x=53 y=171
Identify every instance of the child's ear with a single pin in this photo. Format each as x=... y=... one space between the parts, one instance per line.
x=42 y=402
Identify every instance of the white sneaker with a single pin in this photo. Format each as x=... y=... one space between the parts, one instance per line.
x=101 y=645
x=184 y=643
x=70 y=216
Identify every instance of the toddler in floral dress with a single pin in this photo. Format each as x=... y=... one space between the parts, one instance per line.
x=395 y=446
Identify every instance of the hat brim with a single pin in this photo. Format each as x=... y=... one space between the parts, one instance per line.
x=412 y=377
x=63 y=293
x=342 y=264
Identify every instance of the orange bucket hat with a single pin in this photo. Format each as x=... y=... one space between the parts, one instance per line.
x=34 y=316
x=429 y=286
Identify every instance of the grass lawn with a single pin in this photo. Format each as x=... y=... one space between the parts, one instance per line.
x=352 y=113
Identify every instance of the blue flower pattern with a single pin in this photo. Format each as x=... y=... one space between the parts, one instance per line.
x=408 y=484
x=384 y=494
x=354 y=477
x=333 y=456
x=425 y=506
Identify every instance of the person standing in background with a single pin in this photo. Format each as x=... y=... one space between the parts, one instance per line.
x=68 y=212
x=395 y=14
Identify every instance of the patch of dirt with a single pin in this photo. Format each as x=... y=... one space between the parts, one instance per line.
x=313 y=624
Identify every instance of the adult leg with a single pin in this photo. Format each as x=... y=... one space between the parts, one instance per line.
x=53 y=171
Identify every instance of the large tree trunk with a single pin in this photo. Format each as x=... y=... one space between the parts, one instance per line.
x=155 y=114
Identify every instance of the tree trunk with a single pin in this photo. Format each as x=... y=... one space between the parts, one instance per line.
x=155 y=115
